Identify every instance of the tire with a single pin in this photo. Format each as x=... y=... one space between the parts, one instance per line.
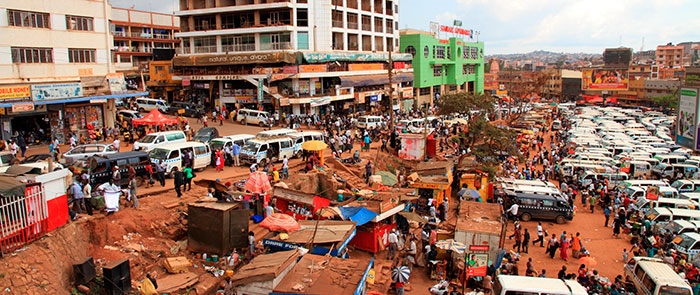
x=262 y=163
x=261 y=124
x=560 y=219
x=242 y=122
x=526 y=217
x=141 y=110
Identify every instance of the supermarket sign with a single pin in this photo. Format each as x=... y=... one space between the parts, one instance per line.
x=8 y=92
x=456 y=30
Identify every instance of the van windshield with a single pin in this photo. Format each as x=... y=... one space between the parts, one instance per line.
x=6 y=158
x=676 y=184
x=216 y=144
x=158 y=154
x=687 y=242
x=671 y=290
x=251 y=147
x=148 y=139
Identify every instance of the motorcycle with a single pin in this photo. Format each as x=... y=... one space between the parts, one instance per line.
x=440 y=288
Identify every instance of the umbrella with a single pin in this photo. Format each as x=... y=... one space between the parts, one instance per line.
x=258 y=183
x=314 y=145
x=588 y=261
x=280 y=222
x=461 y=121
x=452 y=245
x=400 y=274
x=474 y=194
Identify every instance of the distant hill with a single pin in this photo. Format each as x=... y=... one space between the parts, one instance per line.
x=543 y=55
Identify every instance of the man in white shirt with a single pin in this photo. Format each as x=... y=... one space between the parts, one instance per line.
x=285 y=168
x=393 y=244
x=513 y=212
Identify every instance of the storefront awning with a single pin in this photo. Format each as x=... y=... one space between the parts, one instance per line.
x=324 y=57
x=79 y=99
x=367 y=80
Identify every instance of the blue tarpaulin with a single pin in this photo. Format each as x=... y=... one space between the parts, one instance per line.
x=357 y=214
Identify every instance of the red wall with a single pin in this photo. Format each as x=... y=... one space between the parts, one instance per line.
x=369 y=241
x=58 y=212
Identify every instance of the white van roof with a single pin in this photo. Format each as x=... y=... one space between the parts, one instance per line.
x=275 y=132
x=542 y=285
x=179 y=145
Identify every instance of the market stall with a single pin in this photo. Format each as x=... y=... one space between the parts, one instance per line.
x=325 y=235
x=479 y=227
x=297 y=204
x=372 y=236
x=432 y=180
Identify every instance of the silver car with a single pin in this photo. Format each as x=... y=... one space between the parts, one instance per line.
x=82 y=152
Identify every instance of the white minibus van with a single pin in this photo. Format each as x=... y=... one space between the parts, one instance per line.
x=152 y=140
x=371 y=122
x=512 y=285
x=654 y=277
x=172 y=154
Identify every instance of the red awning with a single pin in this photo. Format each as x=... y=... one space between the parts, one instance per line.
x=155 y=117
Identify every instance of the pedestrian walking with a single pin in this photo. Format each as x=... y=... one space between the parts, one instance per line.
x=540 y=235
x=178 y=181
x=236 y=151
x=368 y=171
x=393 y=244
x=76 y=191
x=564 y=248
x=576 y=246
x=591 y=202
x=87 y=196
x=518 y=238
x=285 y=168
x=160 y=172
x=552 y=246
x=526 y=241
x=188 y=173
x=607 y=212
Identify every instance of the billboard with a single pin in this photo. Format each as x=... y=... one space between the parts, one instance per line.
x=605 y=79
x=687 y=111
x=617 y=57
x=56 y=91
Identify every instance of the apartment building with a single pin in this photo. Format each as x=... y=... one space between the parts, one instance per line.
x=55 y=73
x=301 y=56
x=669 y=56
x=443 y=66
x=136 y=34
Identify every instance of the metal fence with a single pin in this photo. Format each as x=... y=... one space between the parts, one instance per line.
x=23 y=219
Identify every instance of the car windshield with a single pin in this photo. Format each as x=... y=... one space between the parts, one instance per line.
x=676 y=184
x=251 y=147
x=687 y=242
x=148 y=139
x=158 y=154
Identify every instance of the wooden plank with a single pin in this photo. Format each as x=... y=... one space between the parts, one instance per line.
x=172 y=283
x=171 y=205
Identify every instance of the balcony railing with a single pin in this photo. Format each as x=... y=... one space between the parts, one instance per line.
x=119 y=34
x=205 y=49
x=366 y=27
x=276 y=46
x=337 y=23
x=141 y=35
x=238 y=47
x=162 y=36
x=352 y=25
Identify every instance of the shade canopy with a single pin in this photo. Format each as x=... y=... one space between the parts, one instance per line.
x=155 y=117
x=280 y=222
x=258 y=183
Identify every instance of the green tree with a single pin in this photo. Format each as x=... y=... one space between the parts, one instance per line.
x=669 y=101
x=464 y=102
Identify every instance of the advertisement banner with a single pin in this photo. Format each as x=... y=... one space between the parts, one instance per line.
x=687 y=108
x=605 y=79
x=8 y=92
x=57 y=91
x=320 y=101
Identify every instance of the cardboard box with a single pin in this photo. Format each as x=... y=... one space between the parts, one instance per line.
x=177 y=264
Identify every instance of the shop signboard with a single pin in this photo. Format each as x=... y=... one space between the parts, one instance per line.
x=261 y=94
x=687 y=108
x=11 y=92
x=56 y=91
x=117 y=83
x=22 y=107
x=235 y=59
x=605 y=79
x=320 y=101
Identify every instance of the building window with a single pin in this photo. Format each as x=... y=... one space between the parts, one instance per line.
x=437 y=71
x=18 y=18
x=440 y=51
x=465 y=52
x=449 y=53
x=79 y=23
x=425 y=91
x=277 y=41
x=238 y=43
x=302 y=40
x=412 y=50
x=32 y=55
x=205 y=45
x=468 y=69
x=81 y=55
x=473 y=52
x=426 y=51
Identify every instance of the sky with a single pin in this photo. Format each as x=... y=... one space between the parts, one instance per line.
x=521 y=26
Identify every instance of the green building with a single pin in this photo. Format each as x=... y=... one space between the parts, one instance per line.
x=442 y=66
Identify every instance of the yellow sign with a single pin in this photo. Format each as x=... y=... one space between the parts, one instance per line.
x=14 y=92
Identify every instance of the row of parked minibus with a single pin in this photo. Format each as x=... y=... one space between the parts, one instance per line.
x=169 y=147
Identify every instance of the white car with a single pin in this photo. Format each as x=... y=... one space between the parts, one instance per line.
x=82 y=152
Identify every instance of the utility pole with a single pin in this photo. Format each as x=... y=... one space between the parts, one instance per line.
x=391 y=93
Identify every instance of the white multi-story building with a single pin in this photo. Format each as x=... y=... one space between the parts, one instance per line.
x=304 y=55
x=54 y=56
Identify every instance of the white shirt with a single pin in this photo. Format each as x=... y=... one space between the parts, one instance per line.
x=513 y=209
x=539 y=230
x=285 y=163
x=393 y=239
